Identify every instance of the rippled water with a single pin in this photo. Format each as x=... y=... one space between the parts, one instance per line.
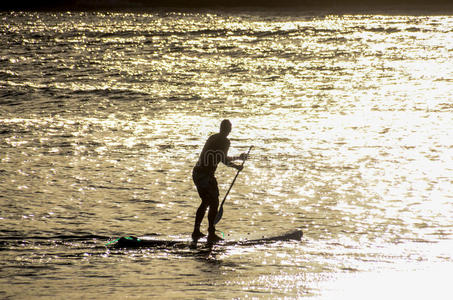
x=102 y=117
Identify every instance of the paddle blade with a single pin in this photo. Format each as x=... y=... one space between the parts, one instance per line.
x=219 y=215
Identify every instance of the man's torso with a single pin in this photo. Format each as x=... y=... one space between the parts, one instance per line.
x=214 y=151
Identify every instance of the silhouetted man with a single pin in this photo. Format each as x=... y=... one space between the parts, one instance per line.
x=214 y=151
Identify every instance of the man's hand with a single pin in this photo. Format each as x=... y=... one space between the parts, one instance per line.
x=239 y=167
x=243 y=156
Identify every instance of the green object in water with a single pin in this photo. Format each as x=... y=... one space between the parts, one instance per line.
x=126 y=237
x=112 y=241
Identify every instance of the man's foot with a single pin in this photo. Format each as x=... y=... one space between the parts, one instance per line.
x=213 y=239
x=193 y=245
x=197 y=234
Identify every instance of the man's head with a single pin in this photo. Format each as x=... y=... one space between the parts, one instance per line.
x=225 y=127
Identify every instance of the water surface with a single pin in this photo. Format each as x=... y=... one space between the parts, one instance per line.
x=102 y=117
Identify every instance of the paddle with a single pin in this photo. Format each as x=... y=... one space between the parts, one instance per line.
x=220 y=212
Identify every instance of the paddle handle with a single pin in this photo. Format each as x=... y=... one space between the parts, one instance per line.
x=220 y=213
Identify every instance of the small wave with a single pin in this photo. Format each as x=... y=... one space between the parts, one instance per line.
x=63 y=237
x=413 y=29
x=11 y=102
x=334 y=40
x=117 y=187
x=10 y=96
x=384 y=30
x=201 y=32
x=274 y=33
x=183 y=98
x=130 y=34
x=7 y=74
x=14 y=128
x=316 y=31
x=210 y=32
x=446 y=106
x=118 y=94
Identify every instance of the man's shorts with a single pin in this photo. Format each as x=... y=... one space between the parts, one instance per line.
x=206 y=186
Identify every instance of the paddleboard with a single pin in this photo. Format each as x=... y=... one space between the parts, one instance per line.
x=134 y=242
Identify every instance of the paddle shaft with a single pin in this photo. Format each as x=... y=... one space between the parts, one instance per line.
x=220 y=213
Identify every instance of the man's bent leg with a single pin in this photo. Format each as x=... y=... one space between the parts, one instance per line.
x=212 y=214
x=213 y=209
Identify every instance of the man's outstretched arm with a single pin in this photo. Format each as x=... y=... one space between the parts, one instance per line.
x=229 y=161
x=243 y=156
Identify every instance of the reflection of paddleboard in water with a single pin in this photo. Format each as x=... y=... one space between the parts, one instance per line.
x=133 y=242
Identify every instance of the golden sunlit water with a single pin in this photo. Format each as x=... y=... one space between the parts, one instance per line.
x=103 y=115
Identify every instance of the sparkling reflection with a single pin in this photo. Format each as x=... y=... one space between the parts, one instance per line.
x=103 y=116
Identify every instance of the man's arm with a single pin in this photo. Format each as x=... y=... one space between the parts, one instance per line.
x=229 y=162
x=243 y=156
